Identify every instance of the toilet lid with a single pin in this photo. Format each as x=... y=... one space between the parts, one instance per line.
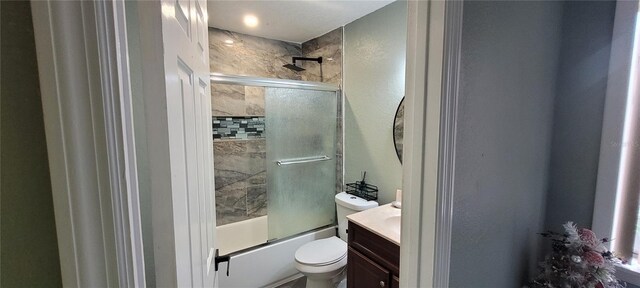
x=322 y=252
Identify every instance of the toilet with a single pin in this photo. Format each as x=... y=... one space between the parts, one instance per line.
x=324 y=261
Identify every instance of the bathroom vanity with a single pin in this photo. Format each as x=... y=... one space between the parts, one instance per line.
x=374 y=248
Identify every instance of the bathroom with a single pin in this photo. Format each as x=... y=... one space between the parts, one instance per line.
x=160 y=150
x=534 y=135
x=352 y=99
x=247 y=123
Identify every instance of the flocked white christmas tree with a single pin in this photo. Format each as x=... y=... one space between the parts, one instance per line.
x=579 y=259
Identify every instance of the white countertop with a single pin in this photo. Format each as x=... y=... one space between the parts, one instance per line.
x=383 y=221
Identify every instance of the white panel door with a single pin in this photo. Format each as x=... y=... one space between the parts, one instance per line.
x=186 y=56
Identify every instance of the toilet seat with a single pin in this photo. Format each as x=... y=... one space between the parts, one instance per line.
x=322 y=252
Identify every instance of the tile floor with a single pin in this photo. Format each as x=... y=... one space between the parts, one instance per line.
x=296 y=283
x=302 y=283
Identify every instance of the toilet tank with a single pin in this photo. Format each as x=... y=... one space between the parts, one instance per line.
x=348 y=204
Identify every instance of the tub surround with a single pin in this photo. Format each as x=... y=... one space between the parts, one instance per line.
x=240 y=179
x=329 y=47
x=237 y=100
x=240 y=54
x=240 y=152
x=383 y=221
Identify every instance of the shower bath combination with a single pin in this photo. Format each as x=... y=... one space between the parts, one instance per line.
x=288 y=186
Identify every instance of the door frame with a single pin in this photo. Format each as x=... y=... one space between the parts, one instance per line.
x=432 y=80
x=84 y=79
x=109 y=167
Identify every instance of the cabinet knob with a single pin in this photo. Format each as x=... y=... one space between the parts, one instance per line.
x=381 y=283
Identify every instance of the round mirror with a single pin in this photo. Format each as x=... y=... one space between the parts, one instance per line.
x=398 y=129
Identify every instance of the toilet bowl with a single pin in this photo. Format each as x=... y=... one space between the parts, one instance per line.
x=324 y=261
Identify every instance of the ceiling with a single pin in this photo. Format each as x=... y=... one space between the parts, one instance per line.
x=291 y=20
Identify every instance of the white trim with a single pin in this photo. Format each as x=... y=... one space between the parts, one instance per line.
x=425 y=48
x=613 y=125
x=89 y=143
x=628 y=274
x=413 y=137
x=114 y=60
x=614 y=114
x=449 y=118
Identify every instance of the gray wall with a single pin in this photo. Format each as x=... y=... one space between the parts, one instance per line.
x=374 y=69
x=510 y=56
x=29 y=247
x=534 y=79
x=579 y=105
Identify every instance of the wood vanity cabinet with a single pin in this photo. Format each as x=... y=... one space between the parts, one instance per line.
x=372 y=260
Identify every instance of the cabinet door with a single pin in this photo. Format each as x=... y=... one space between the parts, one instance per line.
x=364 y=273
x=395 y=281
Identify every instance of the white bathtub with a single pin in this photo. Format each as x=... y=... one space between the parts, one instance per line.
x=263 y=266
x=241 y=235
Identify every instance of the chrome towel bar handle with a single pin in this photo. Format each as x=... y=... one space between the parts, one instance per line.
x=302 y=160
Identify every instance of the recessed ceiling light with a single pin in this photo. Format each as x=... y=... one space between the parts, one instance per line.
x=250 y=21
x=228 y=41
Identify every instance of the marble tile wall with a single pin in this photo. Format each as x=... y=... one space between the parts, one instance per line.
x=240 y=179
x=328 y=46
x=240 y=167
x=237 y=100
x=240 y=54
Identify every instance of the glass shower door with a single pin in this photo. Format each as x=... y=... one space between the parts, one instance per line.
x=301 y=167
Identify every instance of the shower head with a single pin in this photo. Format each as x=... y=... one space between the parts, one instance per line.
x=293 y=67
x=297 y=68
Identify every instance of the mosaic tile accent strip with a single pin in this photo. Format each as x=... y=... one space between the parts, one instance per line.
x=238 y=127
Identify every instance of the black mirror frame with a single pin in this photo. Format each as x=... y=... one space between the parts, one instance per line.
x=395 y=119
